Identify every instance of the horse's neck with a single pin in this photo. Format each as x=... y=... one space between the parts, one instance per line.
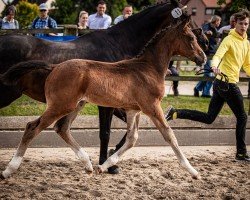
x=134 y=35
x=159 y=54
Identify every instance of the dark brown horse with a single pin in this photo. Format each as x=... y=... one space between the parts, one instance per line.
x=141 y=88
x=124 y=40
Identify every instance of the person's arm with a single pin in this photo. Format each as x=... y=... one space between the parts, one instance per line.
x=107 y=22
x=223 y=48
x=246 y=64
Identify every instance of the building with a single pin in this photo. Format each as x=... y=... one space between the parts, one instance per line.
x=202 y=10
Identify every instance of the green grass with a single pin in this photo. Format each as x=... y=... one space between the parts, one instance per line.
x=25 y=106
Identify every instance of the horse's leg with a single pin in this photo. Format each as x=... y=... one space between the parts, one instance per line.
x=62 y=127
x=132 y=135
x=32 y=129
x=157 y=116
x=105 y=118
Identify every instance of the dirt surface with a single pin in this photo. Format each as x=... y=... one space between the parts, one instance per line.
x=146 y=173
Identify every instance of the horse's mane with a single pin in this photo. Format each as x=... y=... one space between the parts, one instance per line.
x=158 y=35
x=12 y=76
x=135 y=17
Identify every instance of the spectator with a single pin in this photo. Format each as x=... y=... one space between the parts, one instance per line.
x=44 y=21
x=100 y=20
x=174 y=72
x=8 y=22
x=127 y=12
x=232 y=54
x=210 y=29
x=228 y=27
x=83 y=20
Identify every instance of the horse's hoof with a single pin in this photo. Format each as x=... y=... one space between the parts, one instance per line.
x=89 y=170
x=98 y=169
x=197 y=176
x=113 y=170
x=1 y=177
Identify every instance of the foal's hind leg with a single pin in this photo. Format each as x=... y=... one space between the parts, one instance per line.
x=62 y=127
x=157 y=116
x=132 y=135
x=32 y=129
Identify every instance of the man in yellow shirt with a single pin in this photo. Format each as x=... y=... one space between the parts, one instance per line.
x=232 y=54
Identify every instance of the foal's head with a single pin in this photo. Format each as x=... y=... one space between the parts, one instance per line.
x=185 y=43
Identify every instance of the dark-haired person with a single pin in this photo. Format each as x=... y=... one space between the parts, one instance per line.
x=232 y=54
x=8 y=22
x=100 y=20
x=44 y=20
x=210 y=29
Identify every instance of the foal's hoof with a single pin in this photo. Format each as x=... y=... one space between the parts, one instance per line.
x=197 y=176
x=98 y=169
x=113 y=170
x=89 y=170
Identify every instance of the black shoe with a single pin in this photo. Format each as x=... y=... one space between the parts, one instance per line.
x=196 y=92
x=169 y=113
x=242 y=157
x=206 y=96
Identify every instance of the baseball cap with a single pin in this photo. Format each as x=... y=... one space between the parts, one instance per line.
x=43 y=6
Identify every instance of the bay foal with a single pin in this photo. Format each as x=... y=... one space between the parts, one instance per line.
x=140 y=88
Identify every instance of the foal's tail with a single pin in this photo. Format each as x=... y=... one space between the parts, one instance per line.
x=16 y=72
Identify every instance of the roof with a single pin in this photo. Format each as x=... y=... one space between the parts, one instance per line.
x=213 y=3
x=210 y=3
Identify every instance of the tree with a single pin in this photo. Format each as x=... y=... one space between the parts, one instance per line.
x=67 y=11
x=236 y=4
x=27 y=12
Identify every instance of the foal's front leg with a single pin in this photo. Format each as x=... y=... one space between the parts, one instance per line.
x=157 y=116
x=132 y=135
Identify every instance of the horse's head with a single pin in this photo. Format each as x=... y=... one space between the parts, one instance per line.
x=201 y=37
x=185 y=43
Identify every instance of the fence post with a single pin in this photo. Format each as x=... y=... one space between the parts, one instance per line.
x=70 y=30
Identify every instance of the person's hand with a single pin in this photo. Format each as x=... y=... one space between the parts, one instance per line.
x=126 y=16
x=168 y=72
x=216 y=70
x=209 y=33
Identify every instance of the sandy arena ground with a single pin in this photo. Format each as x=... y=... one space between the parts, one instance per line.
x=146 y=173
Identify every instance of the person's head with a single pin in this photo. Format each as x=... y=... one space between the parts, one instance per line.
x=216 y=20
x=101 y=8
x=127 y=11
x=232 y=21
x=43 y=9
x=83 y=18
x=10 y=13
x=242 y=22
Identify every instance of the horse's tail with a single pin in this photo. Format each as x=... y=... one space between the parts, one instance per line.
x=16 y=72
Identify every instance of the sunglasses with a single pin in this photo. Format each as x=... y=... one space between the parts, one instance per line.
x=43 y=10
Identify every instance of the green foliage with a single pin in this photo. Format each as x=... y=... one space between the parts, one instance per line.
x=25 y=106
x=26 y=13
x=66 y=11
x=236 y=4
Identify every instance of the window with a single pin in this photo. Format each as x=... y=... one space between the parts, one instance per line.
x=194 y=10
x=209 y=11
